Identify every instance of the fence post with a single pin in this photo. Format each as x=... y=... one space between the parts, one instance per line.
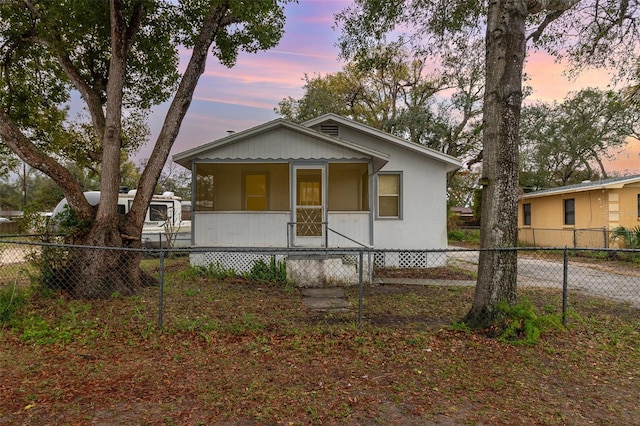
x=360 y=287
x=575 y=238
x=161 y=290
x=533 y=236
x=565 y=285
x=606 y=237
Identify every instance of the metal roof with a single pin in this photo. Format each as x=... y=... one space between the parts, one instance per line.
x=380 y=158
x=610 y=183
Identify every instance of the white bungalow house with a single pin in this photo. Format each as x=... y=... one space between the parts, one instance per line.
x=329 y=182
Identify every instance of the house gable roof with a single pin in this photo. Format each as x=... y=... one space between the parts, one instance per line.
x=452 y=163
x=185 y=158
x=612 y=183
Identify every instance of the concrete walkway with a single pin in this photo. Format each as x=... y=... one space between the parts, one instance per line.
x=325 y=299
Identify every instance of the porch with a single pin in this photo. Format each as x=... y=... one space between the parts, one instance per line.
x=289 y=204
x=275 y=229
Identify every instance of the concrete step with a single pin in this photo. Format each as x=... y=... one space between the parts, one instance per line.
x=326 y=299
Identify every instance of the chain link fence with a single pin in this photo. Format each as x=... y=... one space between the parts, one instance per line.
x=570 y=237
x=205 y=287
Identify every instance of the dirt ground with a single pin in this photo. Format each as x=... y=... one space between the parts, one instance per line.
x=237 y=353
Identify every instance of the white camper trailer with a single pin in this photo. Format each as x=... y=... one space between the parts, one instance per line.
x=163 y=221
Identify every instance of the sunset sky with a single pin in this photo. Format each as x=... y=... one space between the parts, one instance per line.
x=245 y=95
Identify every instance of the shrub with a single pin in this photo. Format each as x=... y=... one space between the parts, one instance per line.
x=274 y=271
x=521 y=324
x=629 y=236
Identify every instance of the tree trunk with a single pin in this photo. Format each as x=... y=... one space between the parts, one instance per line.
x=497 y=269
x=101 y=263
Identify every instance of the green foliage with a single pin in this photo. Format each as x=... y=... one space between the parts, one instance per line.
x=561 y=142
x=629 y=236
x=274 y=271
x=388 y=87
x=11 y=300
x=68 y=222
x=262 y=271
x=469 y=236
x=213 y=270
x=521 y=324
x=461 y=326
x=248 y=323
x=51 y=50
x=37 y=330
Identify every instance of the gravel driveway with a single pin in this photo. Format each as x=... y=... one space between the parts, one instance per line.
x=602 y=278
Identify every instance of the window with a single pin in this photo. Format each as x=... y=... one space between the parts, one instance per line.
x=309 y=193
x=389 y=195
x=526 y=214
x=255 y=192
x=570 y=211
x=638 y=205
x=348 y=187
x=229 y=187
x=158 y=212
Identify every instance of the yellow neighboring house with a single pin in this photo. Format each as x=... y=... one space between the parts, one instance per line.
x=580 y=215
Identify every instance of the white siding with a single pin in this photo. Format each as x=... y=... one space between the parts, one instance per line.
x=424 y=198
x=283 y=144
x=424 y=210
x=422 y=226
x=354 y=225
x=241 y=229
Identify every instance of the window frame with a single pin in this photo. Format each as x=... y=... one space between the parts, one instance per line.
x=526 y=214
x=398 y=195
x=246 y=174
x=569 y=214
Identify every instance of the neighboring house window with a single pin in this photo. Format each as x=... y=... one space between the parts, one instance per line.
x=639 y=205
x=526 y=213
x=389 y=190
x=255 y=192
x=570 y=211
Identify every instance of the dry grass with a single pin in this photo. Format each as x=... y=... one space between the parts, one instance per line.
x=240 y=353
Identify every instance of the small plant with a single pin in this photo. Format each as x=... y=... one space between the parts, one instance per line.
x=11 y=300
x=521 y=324
x=249 y=323
x=274 y=271
x=213 y=270
x=461 y=326
x=629 y=236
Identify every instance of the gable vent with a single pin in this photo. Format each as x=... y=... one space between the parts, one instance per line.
x=330 y=129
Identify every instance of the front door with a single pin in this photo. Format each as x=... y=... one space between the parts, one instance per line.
x=309 y=201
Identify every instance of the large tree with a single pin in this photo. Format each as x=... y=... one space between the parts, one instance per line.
x=121 y=57
x=394 y=90
x=589 y=32
x=567 y=142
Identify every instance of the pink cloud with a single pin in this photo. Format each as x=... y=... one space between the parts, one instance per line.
x=627 y=161
x=550 y=83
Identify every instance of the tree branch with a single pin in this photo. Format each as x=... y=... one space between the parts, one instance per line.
x=212 y=24
x=547 y=20
x=90 y=97
x=27 y=151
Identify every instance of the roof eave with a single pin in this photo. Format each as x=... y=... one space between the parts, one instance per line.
x=452 y=163
x=185 y=158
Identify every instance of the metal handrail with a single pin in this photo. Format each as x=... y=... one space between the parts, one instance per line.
x=348 y=238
